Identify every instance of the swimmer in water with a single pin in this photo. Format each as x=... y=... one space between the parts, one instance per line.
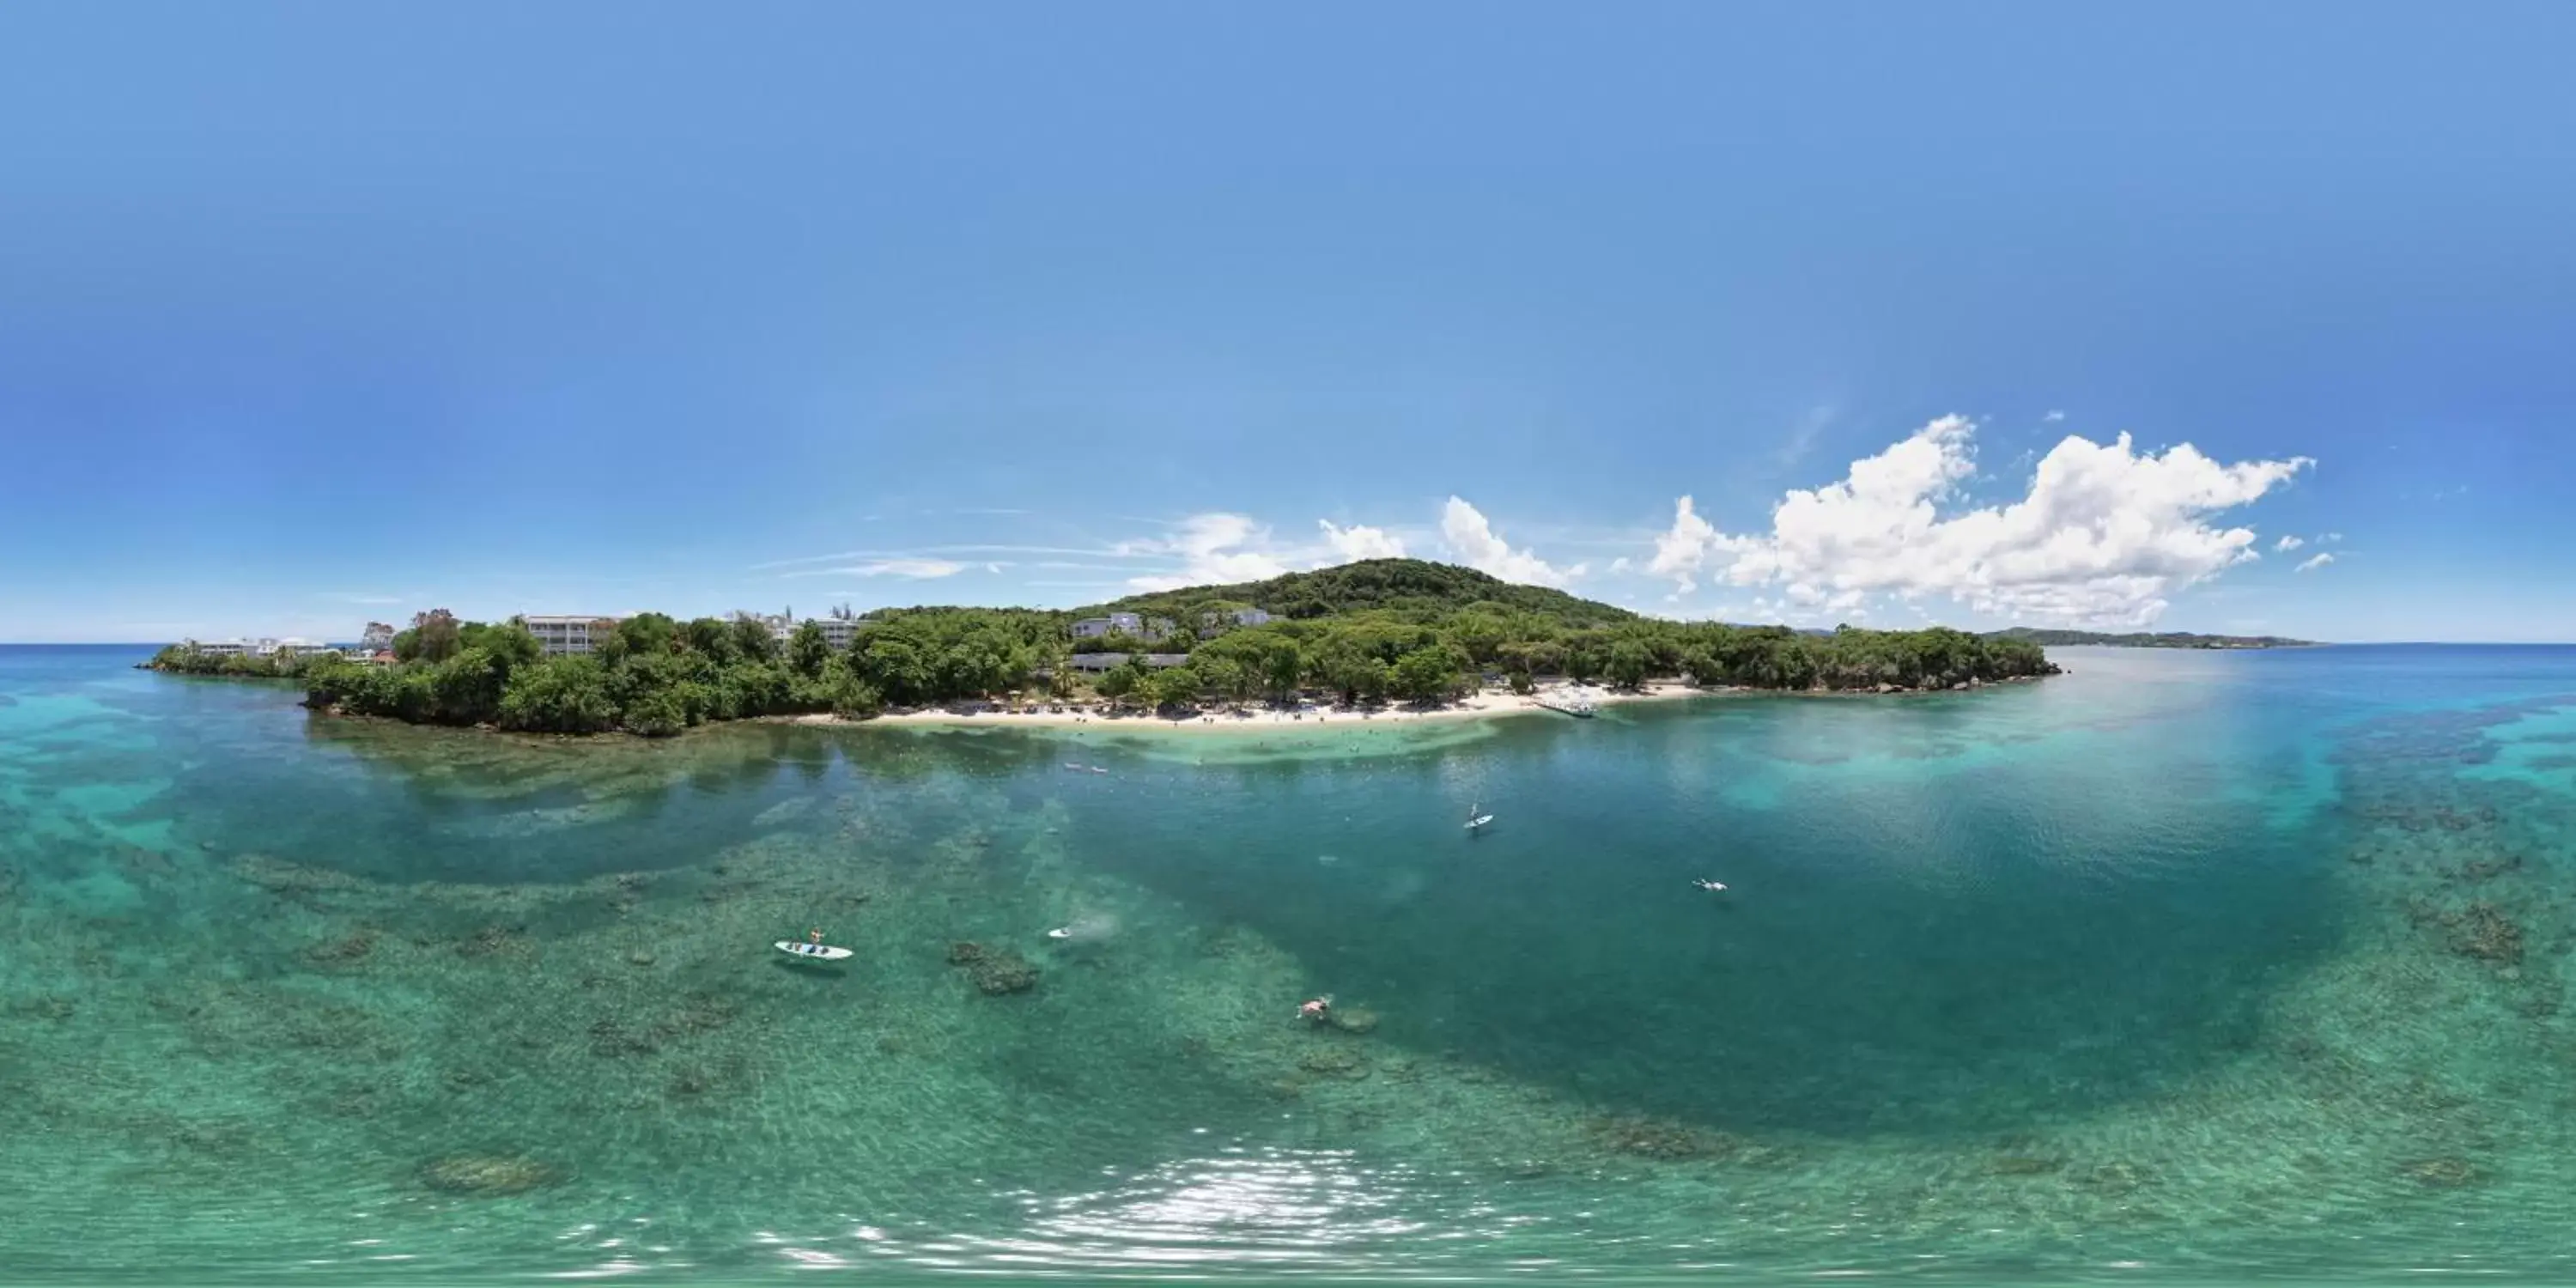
x=1315 y=1008
x=1711 y=886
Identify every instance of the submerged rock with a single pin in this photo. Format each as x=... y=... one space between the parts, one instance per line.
x=2024 y=1165
x=343 y=951
x=2441 y=1173
x=1655 y=1138
x=1333 y=1062
x=1355 y=1019
x=489 y=940
x=487 y=1174
x=2484 y=932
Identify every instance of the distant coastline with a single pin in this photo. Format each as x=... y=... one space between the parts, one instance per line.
x=2166 y=639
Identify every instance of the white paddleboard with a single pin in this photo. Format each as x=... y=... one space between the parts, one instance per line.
x=820 y=952
x=1479 y=821
x=1061 y=932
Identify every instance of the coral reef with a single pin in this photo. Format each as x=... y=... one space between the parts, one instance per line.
x=994 y=971
x=487 y=1174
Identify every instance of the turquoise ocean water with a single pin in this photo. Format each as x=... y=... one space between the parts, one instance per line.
x=2178 y=968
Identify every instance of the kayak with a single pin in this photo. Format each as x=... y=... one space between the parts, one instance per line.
x=819 y=952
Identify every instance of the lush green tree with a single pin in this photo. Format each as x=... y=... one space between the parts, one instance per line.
x=436 y=636
x=1430 y=674
x=508 y=643
x=468 y=687
x=1176 y=686
x=643 y=635
x=1627 y=664
x=752 y=640
x=655 y=713
x=1123 y=680
x=559 y=695
x=709 y=637
x=807 y=650
x=1225 y=677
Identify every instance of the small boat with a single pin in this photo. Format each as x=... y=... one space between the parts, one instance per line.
x=1476 y=822
x=819 y=952
x=1098 y=770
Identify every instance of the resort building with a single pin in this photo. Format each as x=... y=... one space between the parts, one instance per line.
x=840 y=629
x=1146 y=629
x=572 y=635
x=1237 y=617
x=263 y=647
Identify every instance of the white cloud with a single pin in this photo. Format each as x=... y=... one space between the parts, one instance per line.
x=2053 y=417
x=1474 y=542
x=1619 y=564
x=917 y=569
x=1214 y=549
x=2320 y=560
x=993 y=568
x=1358 y=541
x=2331 y=537
x=346 y=597
x=2102 y=537
x=1688 y=546
x=2287 y=544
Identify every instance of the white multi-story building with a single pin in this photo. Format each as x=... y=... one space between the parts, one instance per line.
x=220 y=648
x=572 y=635
x=1146 y=629
x=839 y=629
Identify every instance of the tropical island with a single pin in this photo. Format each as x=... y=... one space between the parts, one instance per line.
x=2141 y=639
x=1363 y=634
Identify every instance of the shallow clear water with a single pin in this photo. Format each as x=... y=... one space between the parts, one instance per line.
x=2178 y=967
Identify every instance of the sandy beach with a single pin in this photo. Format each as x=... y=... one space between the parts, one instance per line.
x=1485 y=703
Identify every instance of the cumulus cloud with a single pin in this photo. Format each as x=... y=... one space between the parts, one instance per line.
x=1358 y=541
x=2104 y=534
x=2319 y=560
x=1472 y=539
x=2287 y=544
x=1619 y=564
x=1212 y=549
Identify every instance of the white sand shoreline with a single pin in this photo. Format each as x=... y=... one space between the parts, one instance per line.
x=1483 y=704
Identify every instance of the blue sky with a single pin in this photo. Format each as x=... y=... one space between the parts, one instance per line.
x=315 y=313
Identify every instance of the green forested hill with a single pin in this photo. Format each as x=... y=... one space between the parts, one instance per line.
x=1402 y=586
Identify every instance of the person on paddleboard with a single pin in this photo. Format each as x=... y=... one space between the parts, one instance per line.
x=815 y=936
